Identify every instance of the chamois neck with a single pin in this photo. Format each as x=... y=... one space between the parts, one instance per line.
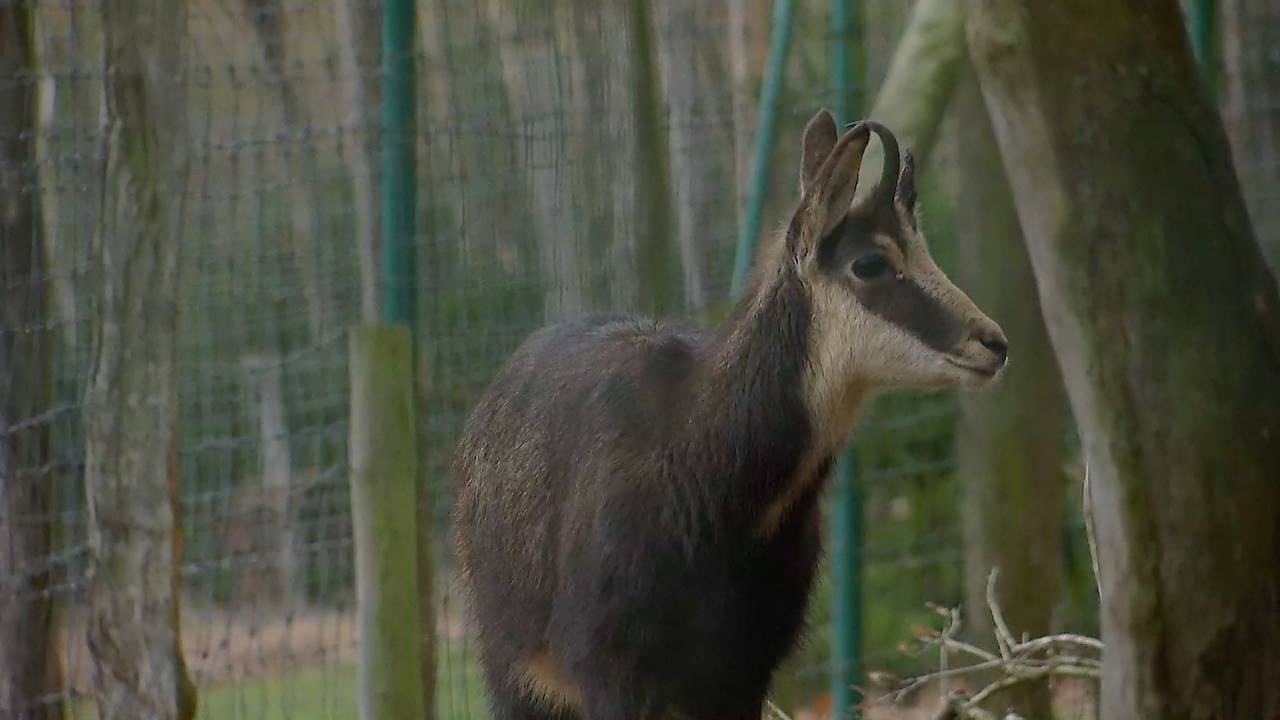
x=752 y=426
x=775 y=323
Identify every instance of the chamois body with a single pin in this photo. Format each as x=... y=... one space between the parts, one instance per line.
x=617 y=473
x=637 y=515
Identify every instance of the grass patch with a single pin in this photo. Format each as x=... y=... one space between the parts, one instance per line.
x=328 y=692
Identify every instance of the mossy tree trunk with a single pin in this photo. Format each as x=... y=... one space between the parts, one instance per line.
x=918 y=84
x=30 y=670
x=131 y=402
x=1009 y=444
x=1164 y=319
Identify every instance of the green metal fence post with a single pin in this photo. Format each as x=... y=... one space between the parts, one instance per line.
x=779 y=37
x=846 y=579
x=846 y=508
x=399 y=181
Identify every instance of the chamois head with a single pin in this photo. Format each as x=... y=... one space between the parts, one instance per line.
x=883 y=313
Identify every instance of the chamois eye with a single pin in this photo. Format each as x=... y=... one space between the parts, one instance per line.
x=870 y=266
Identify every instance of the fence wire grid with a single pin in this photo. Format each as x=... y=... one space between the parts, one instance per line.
x=571 y=156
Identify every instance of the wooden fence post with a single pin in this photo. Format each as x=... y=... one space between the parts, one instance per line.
x=383 y=511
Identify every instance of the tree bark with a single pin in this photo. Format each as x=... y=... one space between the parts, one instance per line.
x=57 y=250
x=297 y=170
x=1251 y=111
x=533 y=69
x=359 y=25
x=581 y=81
x=264 y=376
x=1009 y=443
x=919 y=83
x=30 y=665
x=748 y=48
x=131 y=402
x=692 y=68
x=650 y=233
x=1164 y=319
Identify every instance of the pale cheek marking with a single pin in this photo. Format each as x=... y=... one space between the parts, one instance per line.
x=830 y=400
x=862 y=351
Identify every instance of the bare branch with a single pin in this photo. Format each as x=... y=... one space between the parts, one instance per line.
x=1089 y=531
x=964 y=647
x=1018 y=662
x=1060 y=640
x=1004 y=638
x=919 y=682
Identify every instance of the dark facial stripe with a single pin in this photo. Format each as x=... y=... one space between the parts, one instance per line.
x=905 y=304
x=901 y=302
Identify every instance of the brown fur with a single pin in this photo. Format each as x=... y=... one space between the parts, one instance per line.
x=547 y=680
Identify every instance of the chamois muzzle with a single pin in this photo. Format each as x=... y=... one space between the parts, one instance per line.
x=984 y=352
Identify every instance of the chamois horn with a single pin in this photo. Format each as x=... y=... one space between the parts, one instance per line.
x=882 y=194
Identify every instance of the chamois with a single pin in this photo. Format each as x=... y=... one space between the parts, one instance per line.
x=637 y=515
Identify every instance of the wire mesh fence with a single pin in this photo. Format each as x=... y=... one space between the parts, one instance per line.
x=572 y=156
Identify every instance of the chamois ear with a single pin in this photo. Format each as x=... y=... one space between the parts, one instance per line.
x=837 y=179
x=819 y=139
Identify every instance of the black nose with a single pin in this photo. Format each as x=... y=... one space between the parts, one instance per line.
x=997 y=345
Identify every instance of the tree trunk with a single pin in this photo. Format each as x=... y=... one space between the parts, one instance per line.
x=919 y=83
x=58 y=252
x=691 y=65
x=1009 y=444
x=533 y=69
x=359 y=25
x=648 y=231
x=581 y=83
x=70 y=113
x=607 y=87
x=1164 y=319
x=264 y=376
x=30 y=668
x=131 y=402
x=1251 y=111
x=748 y=47
x=298 y=167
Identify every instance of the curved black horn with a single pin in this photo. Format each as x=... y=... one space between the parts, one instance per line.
x=885 y=188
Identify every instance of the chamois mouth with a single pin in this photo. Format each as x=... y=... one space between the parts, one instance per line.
x=986 y=371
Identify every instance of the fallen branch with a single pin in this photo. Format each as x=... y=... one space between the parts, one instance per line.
x=1061 y=655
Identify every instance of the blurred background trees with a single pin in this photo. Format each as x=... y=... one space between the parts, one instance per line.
x=26 y=498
